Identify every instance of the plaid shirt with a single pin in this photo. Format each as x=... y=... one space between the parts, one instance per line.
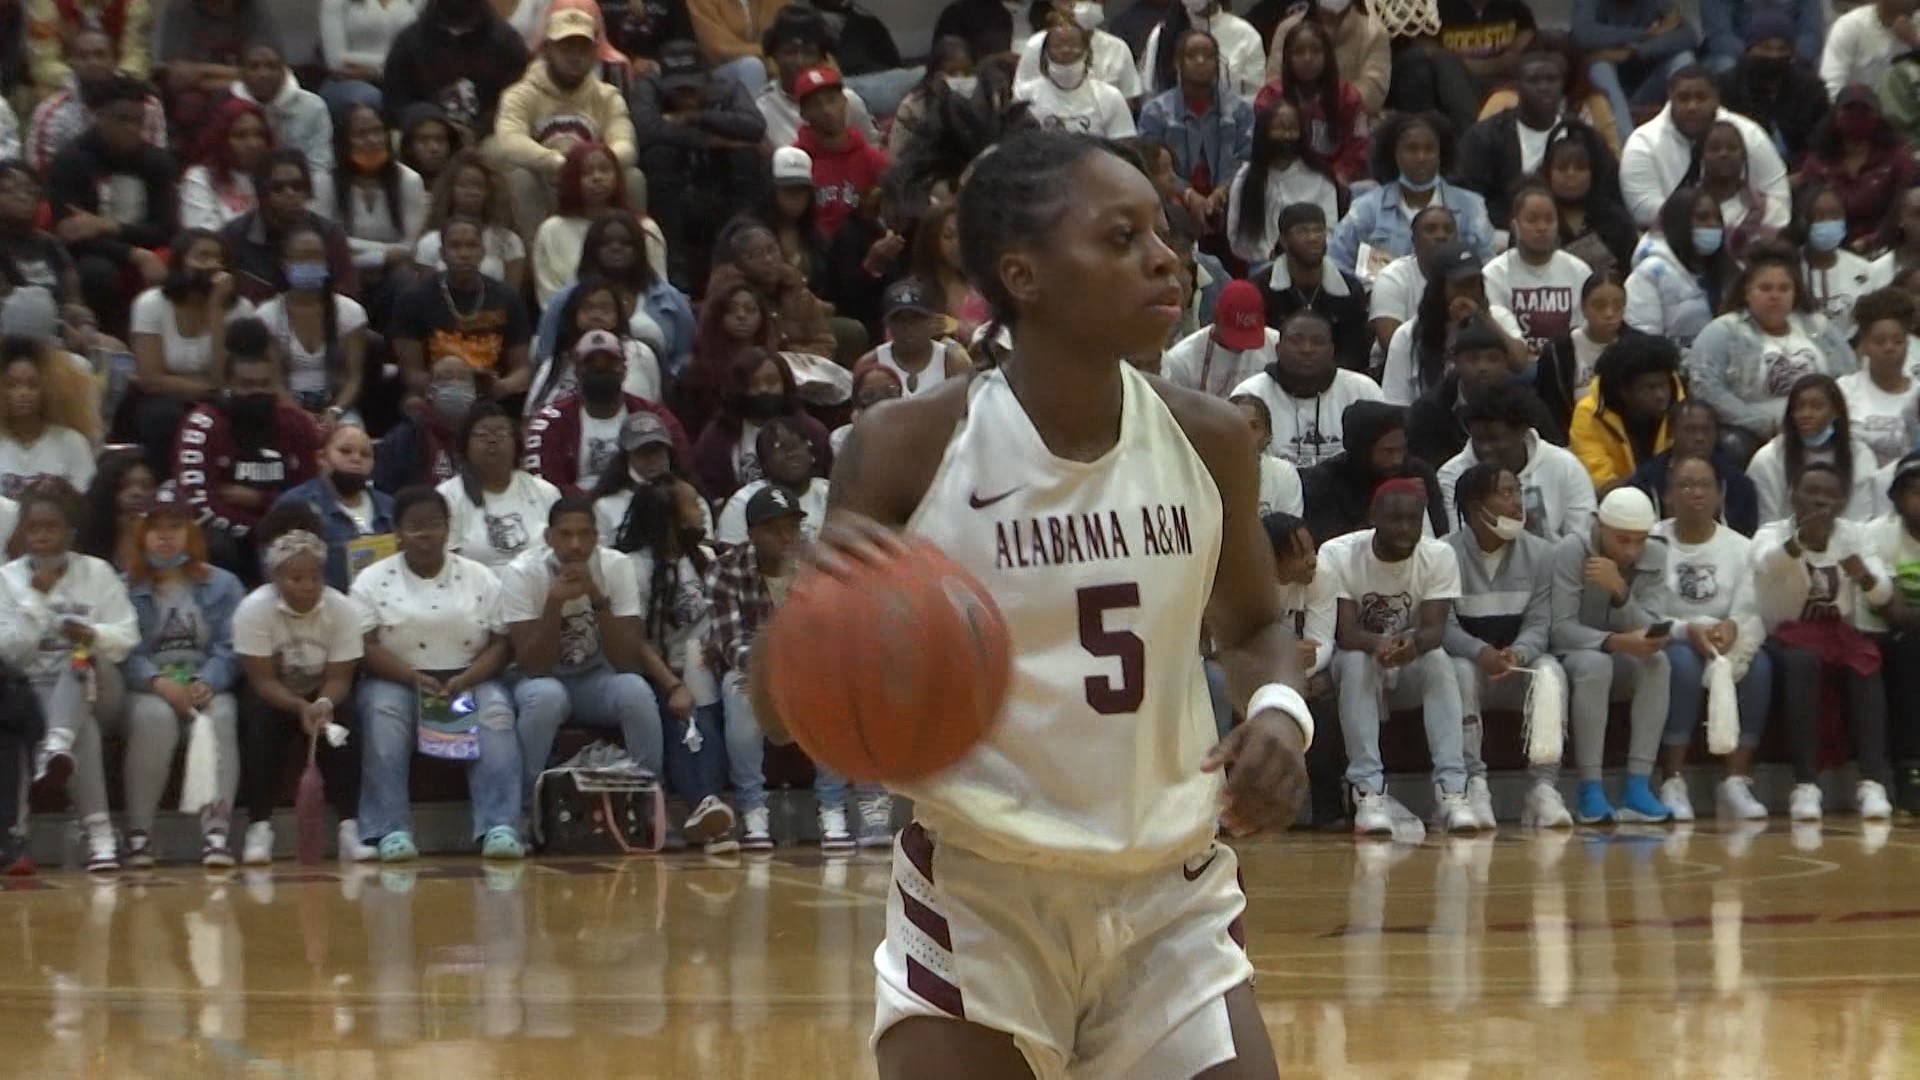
x=741 y=604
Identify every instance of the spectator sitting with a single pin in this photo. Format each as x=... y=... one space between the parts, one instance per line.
x=1280 y=172
x=1489 y=38
x=648 y=460
x=1770 y=85
x=732 y=320
x=591 y=186
x=1594 y=224
x=322 y=334
x=787 y=462
x=300 y=119
x=658 y=314
x=1279 y=478
x=1609 y=588
x=912 y=352
x=113 y=199
x=598 y=324
x=125 y=28
x=1113 y=60
x=1660 y=155
x=495 y=506
x=1309 y=600
x=1711 y=597
x=1535 y=279
x=571 y=442
x=354 y=42
x=936 y=261
x=180 y=340
x=1860 y=156
x=950 y=73
x=1817 y=576
x=1632 y=47
x=1862 y=42
x=428 y=141
x=845 y=165
x=572 y=611
x=462 y=312
x=1680 y=273
x=218 y=186
x=421 y=449
x=1360 y=48
x=1836 y=276
x=1881 y=395
x=1333 y=117
x=1339 y=491
x=1476 y=361
x=1396 y=592
x=1456 y=289
x=1208 y=132
x=256 y=241
x=30 y=257
x=1895 y=536
x=699 y=135
x=351 y=516
x=1626 y=417
x=182 y=666
x=1732 y=25
x=56 y=604
x=117 y=499
x=66 y=112
x=1398 y=287
x=1696 y=433
x=561 y=102
x=733 y=38
x=48 y=427
x=1499 y=627
x=1066 y=94
x=799 y=318
x=1242 y=52
x=380 y=203
x=868 y=256
x=1816 y=429
x=1749 y=215
x=1556 y=492
x=990 y=28
x=460 y=55
x=1219 y=358
x=759 y=387
x=1410 y=153
x=799 y=39
x=1745 y=361
x=435 y=651
x=1497 y=153
x=1303 y=376
x=469 y=187
x=872 y=384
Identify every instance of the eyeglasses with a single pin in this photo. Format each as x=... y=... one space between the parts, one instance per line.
x=1694 y=487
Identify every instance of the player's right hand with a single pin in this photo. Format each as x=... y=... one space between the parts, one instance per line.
x=848 y=541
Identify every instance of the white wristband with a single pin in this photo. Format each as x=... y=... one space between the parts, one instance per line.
x=1288 y=700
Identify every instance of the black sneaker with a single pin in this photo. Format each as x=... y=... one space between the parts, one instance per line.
x=1906 y=787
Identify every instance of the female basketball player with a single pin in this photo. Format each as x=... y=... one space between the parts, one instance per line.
x=1061 y=910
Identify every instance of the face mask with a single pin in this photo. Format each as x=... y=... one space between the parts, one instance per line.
x=600 y=385
x=1286 y=149
x=1771 y=68
x=451 y=401
x=1707 y=241
x=1505 y=528
x=1196 y=8
x=1856 y=124
x=370 y=160
x=1089 y=15
x=1335 y=7
x=1421 y=187
x=1821 y=437
x=1066 y=78
x=307 y=275
x=251 y=411
x=1826 y=235
x=963 y=85
x=763 y=406
x=172 y=562
x=349 y=484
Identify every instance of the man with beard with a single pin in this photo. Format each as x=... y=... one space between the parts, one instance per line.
x=560 y=103
x=67 y=112
x=1664 y=153
x=1302 y=279
x=256 y=239
x=1305 y=393
x=113 y=200
x=238 y=452
x=1774 y=88
x=460 y=55
x=462 y=312
x=571 y=443
x=1338 y=492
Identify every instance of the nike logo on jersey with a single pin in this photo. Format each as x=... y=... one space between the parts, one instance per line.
x=1193 y=874
x=974 y=500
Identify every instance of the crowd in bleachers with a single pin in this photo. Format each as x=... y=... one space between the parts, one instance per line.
x=481 y=375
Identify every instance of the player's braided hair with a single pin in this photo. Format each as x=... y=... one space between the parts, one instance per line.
x=1015 y=196
x=954 y=130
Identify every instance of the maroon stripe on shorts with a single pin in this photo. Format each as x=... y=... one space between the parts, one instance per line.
x=935 y=990
x=929 y=921
x=918 y=847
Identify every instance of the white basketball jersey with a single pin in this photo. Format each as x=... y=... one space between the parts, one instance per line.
x=916 y=383
x=1102 y=570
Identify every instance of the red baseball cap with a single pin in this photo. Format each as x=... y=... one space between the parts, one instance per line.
x=812 y=79
x=1240 y=317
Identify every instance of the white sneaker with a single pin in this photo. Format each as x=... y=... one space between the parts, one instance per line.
x=1673 y=792
x=258 y=848
x=1371 y=817
x=103 y=848
x=1480 y=801
x=1804 y=805
x=352 y=848
x=1546 y=809
x=876 y=821
x=1871 y=800
x=710 y=821
x=833 y=829
x=755 y=834
x=1735 y=800
x=1455 y=815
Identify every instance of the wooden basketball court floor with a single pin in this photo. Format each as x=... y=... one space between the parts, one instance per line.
x=1688 y=953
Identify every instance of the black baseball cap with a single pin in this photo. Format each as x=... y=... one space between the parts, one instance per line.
x=908 y=294
x=1455 y=261
x=770 y=504
x=681 y=67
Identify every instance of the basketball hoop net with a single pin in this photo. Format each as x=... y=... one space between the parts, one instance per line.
x=1408 y=18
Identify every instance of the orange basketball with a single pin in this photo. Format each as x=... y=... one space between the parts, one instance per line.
x=893 y=676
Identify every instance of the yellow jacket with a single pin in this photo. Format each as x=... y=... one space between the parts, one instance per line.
x=730 y=29
x=49 y=28
x=1598 y=437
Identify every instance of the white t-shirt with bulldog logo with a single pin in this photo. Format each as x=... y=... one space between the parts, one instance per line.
x=1389 y=594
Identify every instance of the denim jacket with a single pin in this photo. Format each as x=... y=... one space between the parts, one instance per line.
x=1380 y=220
x=336 y=528
x=218 y=594
x=1222 y=137
x=667 y=306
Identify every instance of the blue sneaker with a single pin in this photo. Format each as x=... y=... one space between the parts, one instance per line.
x=398 y=847
x=502 y=843
x=1639 y=804
x=1593 y=808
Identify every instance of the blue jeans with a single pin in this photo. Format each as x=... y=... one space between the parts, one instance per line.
x=696 y=775
x=387 y=714
x=884 y=90
x=1689 y=689
x=747 y=755
x=601 y=698
x=1428 y=682
x=1649 y=85
x=341 y=94
x=748 y=71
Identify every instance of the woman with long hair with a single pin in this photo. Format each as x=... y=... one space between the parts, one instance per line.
x=648 y=461
x=1333 y=118
x=936 y=261
x=428 y=140
x=1863 y=159
x=1281 y=170
x=1417 y=355
x=497 y=508
x=1068 y=95
x=179 y=339
x=788 y=207
x=1746 y=211
x=121 y=491
x=1585 y=181
x=1836 y=276
x=182 y=667
x=1678 y=278
x=218 y=186
x=379 y=202
x=873 y=384
x=601 y=309
x=592 y=183
x=1410 y=157
x=1816 y=429
x=352 y=517
x=949 y=71
x=1243 y=54
x=66 y=624
x=47 y=422
x=733 y=319
x=759 y=387
x=472 y=187
x=322 y=334
x=618 y=250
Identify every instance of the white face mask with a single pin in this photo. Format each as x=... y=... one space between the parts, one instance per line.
x=1067 y=78
x=1505 y=528
x=963 y=85
x=1196 y=7
x=1335 y=7
x=1089 y=15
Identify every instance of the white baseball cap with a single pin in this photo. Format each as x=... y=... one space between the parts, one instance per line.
x=792 y=166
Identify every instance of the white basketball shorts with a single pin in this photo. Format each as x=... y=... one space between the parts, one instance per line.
x=1095 y=978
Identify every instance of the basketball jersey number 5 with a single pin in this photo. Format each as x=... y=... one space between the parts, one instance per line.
x=1105 y=696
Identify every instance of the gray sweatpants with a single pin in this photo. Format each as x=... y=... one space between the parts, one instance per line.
x=1596 y=679
x=1477 y=693
x=154 y=734
x=75 y=724
x=1428 y=683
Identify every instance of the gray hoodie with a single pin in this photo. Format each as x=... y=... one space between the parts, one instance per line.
x=1584 y=615
x=1510 y=609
